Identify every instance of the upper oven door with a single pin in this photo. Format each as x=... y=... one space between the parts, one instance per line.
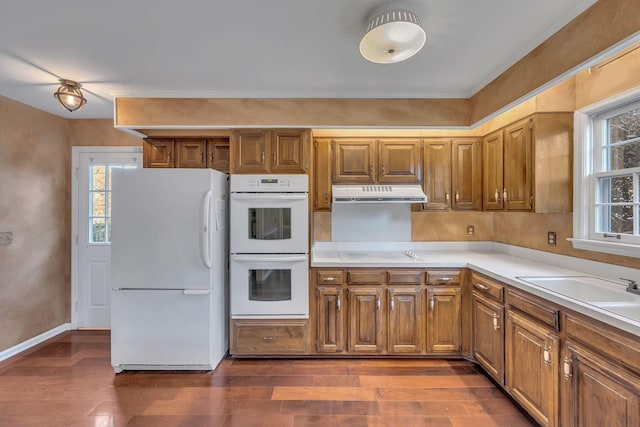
x=269 y=223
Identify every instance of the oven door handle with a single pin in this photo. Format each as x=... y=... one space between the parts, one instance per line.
x=263 y=258
x=268 y=196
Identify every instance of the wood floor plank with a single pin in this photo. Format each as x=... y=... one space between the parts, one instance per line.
x=68 y=381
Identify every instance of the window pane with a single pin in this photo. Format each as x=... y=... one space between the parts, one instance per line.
x=625 y=156
x=624 y=126
x=616 y=219
x=97 y=173
x=617 y=189
x=97 y=203
x=97 y=230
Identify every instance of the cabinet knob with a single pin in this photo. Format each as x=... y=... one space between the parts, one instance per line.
x=497 y=195
x=392 y=304
x=496 y=326
x=457 y=196
x=446 y=197
x=547 y=355
x=432 y=303
x=338 y=304
x=504 y=194
x=383 y=169
x=378 y=303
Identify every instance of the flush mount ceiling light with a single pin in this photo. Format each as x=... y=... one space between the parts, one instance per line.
x=69 y=95
x=392 y=37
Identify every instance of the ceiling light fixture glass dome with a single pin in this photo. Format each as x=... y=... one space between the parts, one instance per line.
x=69 y=95
x=392 y=36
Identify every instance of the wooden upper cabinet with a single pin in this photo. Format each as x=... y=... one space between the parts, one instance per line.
x=191 y=153
x=322 y=174
x=466 y=173
x=492 y=170
x=289 y=151
x=518 y=166
x=251 y=150
x=218 y=154
x=158 y=153
x=270 y=151
x=399 y=161
x=437 y=173
x=354 y=161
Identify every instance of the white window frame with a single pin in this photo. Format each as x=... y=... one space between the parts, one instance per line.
x=587 y=158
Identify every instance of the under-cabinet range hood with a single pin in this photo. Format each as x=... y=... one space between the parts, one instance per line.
x=396 y=193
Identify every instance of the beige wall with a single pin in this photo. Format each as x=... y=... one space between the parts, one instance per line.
x=34 y=194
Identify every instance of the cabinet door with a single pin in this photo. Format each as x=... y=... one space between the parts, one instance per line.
x=466 y=174
x=191 y=153
x=322 y=175
x=437 y=173
x=518 y=166
x=289 y=151
x=399 y=161
x=444 y=334
x=218 y=154
x=251 y=151
x=405 y=320
x=488 y=335
x=492 y=171
x=158 y=153
x=365 y=320
x=597 y=392
x=330 y=318
x=354 y=161
x=532 y=375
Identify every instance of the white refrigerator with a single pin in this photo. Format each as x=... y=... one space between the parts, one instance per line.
x=169 y=269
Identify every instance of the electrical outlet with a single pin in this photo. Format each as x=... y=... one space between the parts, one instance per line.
x=6 y=237
x=551 y=238
x=471 y=230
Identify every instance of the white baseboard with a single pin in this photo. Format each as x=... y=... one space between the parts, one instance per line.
x=25 y=345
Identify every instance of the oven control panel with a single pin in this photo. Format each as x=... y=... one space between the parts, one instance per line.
x=277 y=183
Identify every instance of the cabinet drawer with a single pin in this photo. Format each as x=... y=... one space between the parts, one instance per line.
x=366 y=277
x=405 y=277
x=258 y=337
x=444 y=277
x=487 y=287
x=534 y=308
x=333 y=277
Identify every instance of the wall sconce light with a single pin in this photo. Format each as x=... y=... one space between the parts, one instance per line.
x=69 y=95
x=392 y=37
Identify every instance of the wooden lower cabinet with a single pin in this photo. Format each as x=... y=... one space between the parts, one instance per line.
x=487 y=318
x=330 y=319
x=444 y=333
x=365 y=333
x=258 y=337
x=532 y=375
x=597 y=392
x=406 y=318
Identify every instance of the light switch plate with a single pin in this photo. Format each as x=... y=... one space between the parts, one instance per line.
x=6 y=237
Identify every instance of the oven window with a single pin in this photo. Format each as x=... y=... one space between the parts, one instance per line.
x=270 y=285
x=269 y=223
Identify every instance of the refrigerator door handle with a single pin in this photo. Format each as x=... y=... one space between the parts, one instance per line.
x=195 y=292
x=205 y=244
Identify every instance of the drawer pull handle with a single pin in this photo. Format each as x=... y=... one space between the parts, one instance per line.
x=393 y=303
x=547 y=355
x=496 y=326
x=378 y=303
x=566 y=367
x=445 y=279
x=481 y=287
x=446 y=197
x=329 y=279
x=505 y=194
x=432 y=303
x=269 y=338
x=338 y=304
x=497 y=195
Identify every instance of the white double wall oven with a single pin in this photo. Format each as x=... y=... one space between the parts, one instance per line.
x=269 y=244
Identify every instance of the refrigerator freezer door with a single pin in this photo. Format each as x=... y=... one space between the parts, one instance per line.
x=161 y=328
x=158 y=228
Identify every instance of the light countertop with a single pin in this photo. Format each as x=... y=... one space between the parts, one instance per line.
x=591 y=288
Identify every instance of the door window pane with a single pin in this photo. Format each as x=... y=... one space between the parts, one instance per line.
x=270 y=285
x=100 y=201
x=269 y=223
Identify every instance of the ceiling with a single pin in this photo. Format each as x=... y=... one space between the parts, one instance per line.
x=257 y=49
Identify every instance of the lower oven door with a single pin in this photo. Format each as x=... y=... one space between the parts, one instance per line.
x=269 y=286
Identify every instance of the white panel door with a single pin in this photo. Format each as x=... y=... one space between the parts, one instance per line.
x=92 y=220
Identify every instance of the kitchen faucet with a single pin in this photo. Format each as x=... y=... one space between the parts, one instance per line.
x=632 y=287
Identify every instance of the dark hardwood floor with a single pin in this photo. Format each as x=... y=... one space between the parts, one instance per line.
x=68 y=381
